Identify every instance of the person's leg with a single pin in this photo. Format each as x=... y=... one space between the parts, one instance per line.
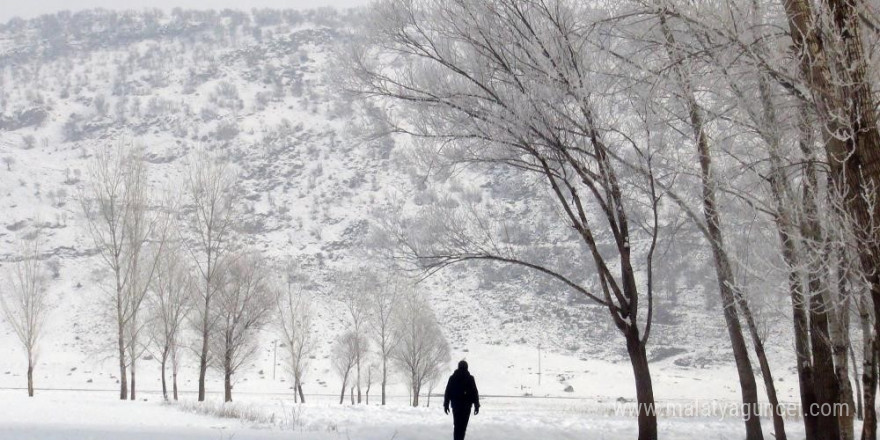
x=460 y=417
x=457 y=432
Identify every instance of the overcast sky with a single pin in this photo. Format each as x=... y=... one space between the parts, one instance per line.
x=31 y=8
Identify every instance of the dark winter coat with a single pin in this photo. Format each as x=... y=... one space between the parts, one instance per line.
x=461 y=390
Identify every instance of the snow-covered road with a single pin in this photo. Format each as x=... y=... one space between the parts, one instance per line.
x=98 y=416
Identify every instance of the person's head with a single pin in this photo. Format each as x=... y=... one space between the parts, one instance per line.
x=462 y=365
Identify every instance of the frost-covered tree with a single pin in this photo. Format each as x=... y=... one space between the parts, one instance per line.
x=344 y=357
x=244 y=303
x=422 y=352
x=354 y=287
x=117 y=202
x=169 y=304
x=209 y=213
x=25 y=305
x=803 y=103
x=295 y=324
x=369 y=380
x=829 y=40
x=384 y=297
x=513 y=84
x=675 y=82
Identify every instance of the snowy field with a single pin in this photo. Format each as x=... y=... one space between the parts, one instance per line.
x=98 y=416
x=88 y=407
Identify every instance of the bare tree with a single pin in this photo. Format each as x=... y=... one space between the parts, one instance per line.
x=354 y=286
x=24 y=303
x=383 y=301
x=422 y=352
x=730 y=290
x=432 y=383
x=208 y=222
x=368 y=381
x=735 y=39
x=344 y=356
x=170 y=303
x=148 y=231
x=244 y=305
x=138 y=290
x=295 y=325
x=117 y=207
x=826 y=84
x=831 y=57
x=176 y=353
x=511 y=84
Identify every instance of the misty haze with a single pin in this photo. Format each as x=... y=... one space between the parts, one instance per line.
x=434 y=219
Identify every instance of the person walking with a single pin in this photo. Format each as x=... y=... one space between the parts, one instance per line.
x=461 y=393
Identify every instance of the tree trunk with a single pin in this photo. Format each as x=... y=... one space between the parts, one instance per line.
x=367 y=391
x=384 y=378
x=825 y=383
x=30 y=377
x=870 y=380
x=342 y=393
x=297 y=389
x=123 y=377
x=351 y=394
x=227 y=387
x=174 y=368
x=869 y=426
x=869 y=370
x=840 y=343
x=227 y=375
x=748 y=386
x=164 y=386
x=203 y=356
x=416 y=391
x=799 y=319
x=359 y=377
x=766 y=373
x=858 y=394
x=638 y=358
x=174 y=384
x=846 y=416
x=133 y=372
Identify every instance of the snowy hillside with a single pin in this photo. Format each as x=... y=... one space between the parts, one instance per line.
x=260 y=88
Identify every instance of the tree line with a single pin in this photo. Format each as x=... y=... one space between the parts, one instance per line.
x=178 y=277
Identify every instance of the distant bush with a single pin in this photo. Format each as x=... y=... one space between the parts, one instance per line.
x=228 y=410
x=226 y=131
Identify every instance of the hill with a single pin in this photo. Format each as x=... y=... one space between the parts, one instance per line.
x=260 y=88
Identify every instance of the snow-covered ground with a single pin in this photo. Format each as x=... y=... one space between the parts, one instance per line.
x=99 y=416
